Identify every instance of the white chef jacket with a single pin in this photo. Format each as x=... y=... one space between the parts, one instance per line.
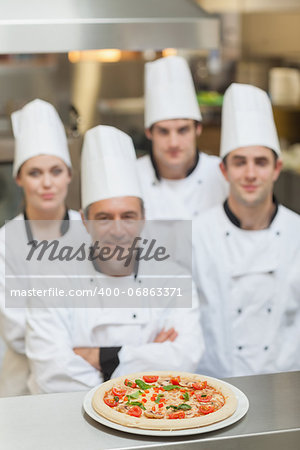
x=52 y=333
x=15 y=370
x=182 y=199
x=249 y=289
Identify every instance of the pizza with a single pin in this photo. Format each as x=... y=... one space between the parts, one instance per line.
x=164 y=400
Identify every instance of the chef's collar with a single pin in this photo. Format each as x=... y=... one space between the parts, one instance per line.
x=135 y=268
x=65 y=225
x=188 y=173
x=233 y=218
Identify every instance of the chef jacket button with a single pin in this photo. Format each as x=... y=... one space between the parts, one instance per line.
x=199 y=181
x=196 y=213
x=227 y=233
x=277 y=233
x=239 y=310
x=240 y=347
x=266 y=347
x=134 y=316
x=91 y=279
x=153 y=183
x=269 y=310
x=140 y=281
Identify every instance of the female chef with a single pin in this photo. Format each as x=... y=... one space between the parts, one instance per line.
x=42 y=168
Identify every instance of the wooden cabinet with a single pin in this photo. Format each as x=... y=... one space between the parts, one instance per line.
x=270 y=34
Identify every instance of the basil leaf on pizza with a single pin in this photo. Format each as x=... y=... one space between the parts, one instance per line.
x=170 y=387
x=186 y=396
x=141 y=384
x=182 y=406
x=158 y=398
x=134 y=395
x=136 y=404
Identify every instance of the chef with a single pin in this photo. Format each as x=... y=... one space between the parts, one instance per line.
x=177 y=180
x=247 y=251
x=42 y=168
x=77 y=348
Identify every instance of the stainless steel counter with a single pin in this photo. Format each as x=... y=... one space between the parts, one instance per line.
x=57 y=421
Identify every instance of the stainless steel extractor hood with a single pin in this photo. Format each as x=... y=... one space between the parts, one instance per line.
x=35 y=26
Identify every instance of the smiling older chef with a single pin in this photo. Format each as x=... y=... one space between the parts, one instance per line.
x=247 y=251
x=42 y=167
x=177 y=181
x=77 y=348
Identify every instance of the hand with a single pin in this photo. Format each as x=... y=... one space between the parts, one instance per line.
x=169 y=335
x=90 y=354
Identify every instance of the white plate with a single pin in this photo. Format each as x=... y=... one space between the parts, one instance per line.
x=242 y=408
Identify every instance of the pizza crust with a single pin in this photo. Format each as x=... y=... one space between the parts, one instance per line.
x=165 y=424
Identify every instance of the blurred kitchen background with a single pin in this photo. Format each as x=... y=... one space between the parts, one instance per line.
x=259 y=43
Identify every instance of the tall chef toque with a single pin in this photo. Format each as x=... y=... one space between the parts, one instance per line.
x=169 y=91
x=108 y=166
x=247 y=119
x=38 y=130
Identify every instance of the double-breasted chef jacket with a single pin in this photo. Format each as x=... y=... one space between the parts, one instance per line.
x=15 y=370
x=186 y=198
x=249 y=289
x=127 y=333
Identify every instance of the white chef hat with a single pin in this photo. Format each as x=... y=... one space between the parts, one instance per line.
x=38 y=130
x=108 y=166
x=247 y=119
x=169 y=91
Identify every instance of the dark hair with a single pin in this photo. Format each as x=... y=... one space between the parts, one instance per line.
x=224 y=160
x=196 y=122
x=86 y=210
